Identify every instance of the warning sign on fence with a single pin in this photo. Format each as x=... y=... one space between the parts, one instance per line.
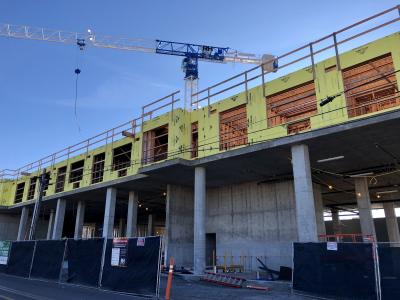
x=119 y=252
x=332 y=246
x=140 y=241
x=4 y=250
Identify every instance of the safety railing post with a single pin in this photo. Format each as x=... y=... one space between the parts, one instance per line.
x=336 y=52
x=172 y=107
x=262 y=79
x=312 y=60
x=246 y=87
x=208 y=101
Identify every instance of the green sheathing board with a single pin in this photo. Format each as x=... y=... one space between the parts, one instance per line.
x=179 y=121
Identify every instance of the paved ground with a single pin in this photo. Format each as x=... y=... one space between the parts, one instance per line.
x=15 y=288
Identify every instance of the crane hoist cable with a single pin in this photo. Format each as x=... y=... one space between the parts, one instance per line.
x=81 y=46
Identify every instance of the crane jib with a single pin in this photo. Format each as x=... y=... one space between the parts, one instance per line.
x=194 y=51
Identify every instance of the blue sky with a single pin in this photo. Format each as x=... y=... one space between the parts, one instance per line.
x=37 y=78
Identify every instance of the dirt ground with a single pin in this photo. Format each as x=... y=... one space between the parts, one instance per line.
x=189 y=287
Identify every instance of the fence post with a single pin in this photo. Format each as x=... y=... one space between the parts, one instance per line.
x=377 y=271
x=102 y=261
x=62 y=261
x=33 y=256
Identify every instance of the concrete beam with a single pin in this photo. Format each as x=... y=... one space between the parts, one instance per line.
x=364 y=207
x=23 y=223
x=59 y=220
x=51 y=225
x=80 y=217
x=109 y=212
x=391 y=222
x=131 y=224
x=303 y=187
x=199 y=220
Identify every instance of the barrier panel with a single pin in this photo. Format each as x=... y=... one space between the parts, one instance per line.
x=337 y=270
x=47 y=259
x=5 y=247
x=20 y=259
x=83 y=261
x=132 y=265
x=389 y=270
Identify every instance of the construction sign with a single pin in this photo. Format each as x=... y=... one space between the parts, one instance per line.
x=4 y=251
x=119 y=252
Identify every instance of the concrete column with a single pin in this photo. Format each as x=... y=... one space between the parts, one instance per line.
x=59 y=220
x=319 y=210
x=305 y=207
x=109 y=212
x=391 y=222
x=51 y=225
x=121 y=227
x=23 y=223
x=336 y=225
x=80 y=217
x=131 y=224
x=150 y=225
x=364 y=207
x=199 y=220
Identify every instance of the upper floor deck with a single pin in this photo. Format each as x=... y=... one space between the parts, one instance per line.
x=257 y=106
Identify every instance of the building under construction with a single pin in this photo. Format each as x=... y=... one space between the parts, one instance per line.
x=251 y=167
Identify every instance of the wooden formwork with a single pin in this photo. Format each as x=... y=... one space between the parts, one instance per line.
x=297 y=103
x=233 y=128
x=60 y=180
x=122 y=159
x=155 y=145
x=32 y=188
x=98 y=167
x=371 y=86
x=19 y=193
x=194 y=140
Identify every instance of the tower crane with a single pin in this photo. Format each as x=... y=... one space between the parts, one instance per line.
x=192 y=53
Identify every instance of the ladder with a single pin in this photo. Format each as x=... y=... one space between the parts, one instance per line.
x=222 y=279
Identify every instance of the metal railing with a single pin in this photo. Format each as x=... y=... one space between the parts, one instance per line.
x=129 y=128
x=259 y=72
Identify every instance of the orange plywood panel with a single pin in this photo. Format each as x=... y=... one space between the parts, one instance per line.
x=233 y=128
x=371 y=86
x=296 y=103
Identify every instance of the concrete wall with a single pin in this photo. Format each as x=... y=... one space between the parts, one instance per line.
x=253 y=220
x=9 y=227
x=248 y=219
x=179 y=225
